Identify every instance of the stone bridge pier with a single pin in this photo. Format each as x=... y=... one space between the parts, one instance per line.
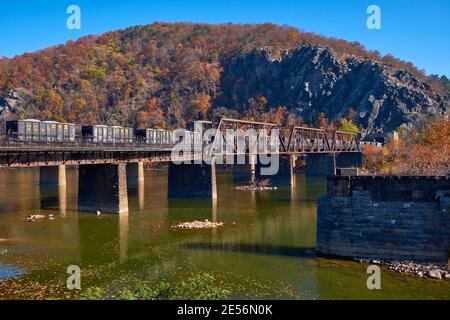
x=103 y=187
x=323 y=164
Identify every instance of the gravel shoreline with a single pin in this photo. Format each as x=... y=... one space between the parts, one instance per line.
x=432 y=271
x=422 y=270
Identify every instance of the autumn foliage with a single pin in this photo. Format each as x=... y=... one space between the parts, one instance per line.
x=162 y=75
x=426 y=152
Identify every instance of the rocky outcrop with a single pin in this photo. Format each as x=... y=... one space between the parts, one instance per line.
x=313 y=79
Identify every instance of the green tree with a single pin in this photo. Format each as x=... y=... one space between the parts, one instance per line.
x=348 y=126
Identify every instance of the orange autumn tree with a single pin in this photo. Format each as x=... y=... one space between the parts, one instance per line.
x=152 y=116
x=201 y=105
x=414 y=153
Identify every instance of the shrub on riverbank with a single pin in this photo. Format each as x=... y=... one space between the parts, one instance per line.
x=200 y=286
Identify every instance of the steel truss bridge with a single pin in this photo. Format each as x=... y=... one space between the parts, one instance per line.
x=293 y=140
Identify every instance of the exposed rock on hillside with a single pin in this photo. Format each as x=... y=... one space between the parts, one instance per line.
x=314 y=79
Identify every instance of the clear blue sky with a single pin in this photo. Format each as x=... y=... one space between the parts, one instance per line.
x=413 y=30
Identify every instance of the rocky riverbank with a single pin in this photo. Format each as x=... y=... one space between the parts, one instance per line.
x=432 y=271
x=198 y=225
x=421 y=270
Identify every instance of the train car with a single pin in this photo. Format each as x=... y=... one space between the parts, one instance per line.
x=57 y=131
x=40 y=131
x=97 y=133
x=23 y=130
x=123 y=134
x=155 y=136
x=165 y=136
x=187 y=137
x=129 y=134
x=107 y=134
x=144 y=135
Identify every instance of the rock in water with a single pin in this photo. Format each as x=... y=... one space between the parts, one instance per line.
x=435 y=274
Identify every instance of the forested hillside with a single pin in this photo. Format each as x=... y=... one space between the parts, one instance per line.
x=169 y=74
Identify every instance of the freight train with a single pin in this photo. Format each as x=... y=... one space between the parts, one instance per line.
x=31 y=130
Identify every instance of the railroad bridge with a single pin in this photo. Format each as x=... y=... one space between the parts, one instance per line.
x=192 y=160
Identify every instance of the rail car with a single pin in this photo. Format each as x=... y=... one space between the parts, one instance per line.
x=155 y=136
x=40 y=131
x=107 y=134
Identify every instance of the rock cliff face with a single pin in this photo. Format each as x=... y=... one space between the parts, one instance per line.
x=312 y=79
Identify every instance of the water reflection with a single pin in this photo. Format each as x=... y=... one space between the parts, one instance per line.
x=141 y=193
x=62 y=199
x=123 y=238
x=268 y=239
x=17 y=185
x=214 y=210
x=9 y=271
x=252 y=248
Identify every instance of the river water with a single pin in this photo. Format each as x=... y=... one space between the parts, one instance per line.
x=264 y=250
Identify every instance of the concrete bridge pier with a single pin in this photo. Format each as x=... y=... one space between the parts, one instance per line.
x=52 y=176
x=103 y=187
x=284 y=175
x=192 y=180
x=252 y=160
